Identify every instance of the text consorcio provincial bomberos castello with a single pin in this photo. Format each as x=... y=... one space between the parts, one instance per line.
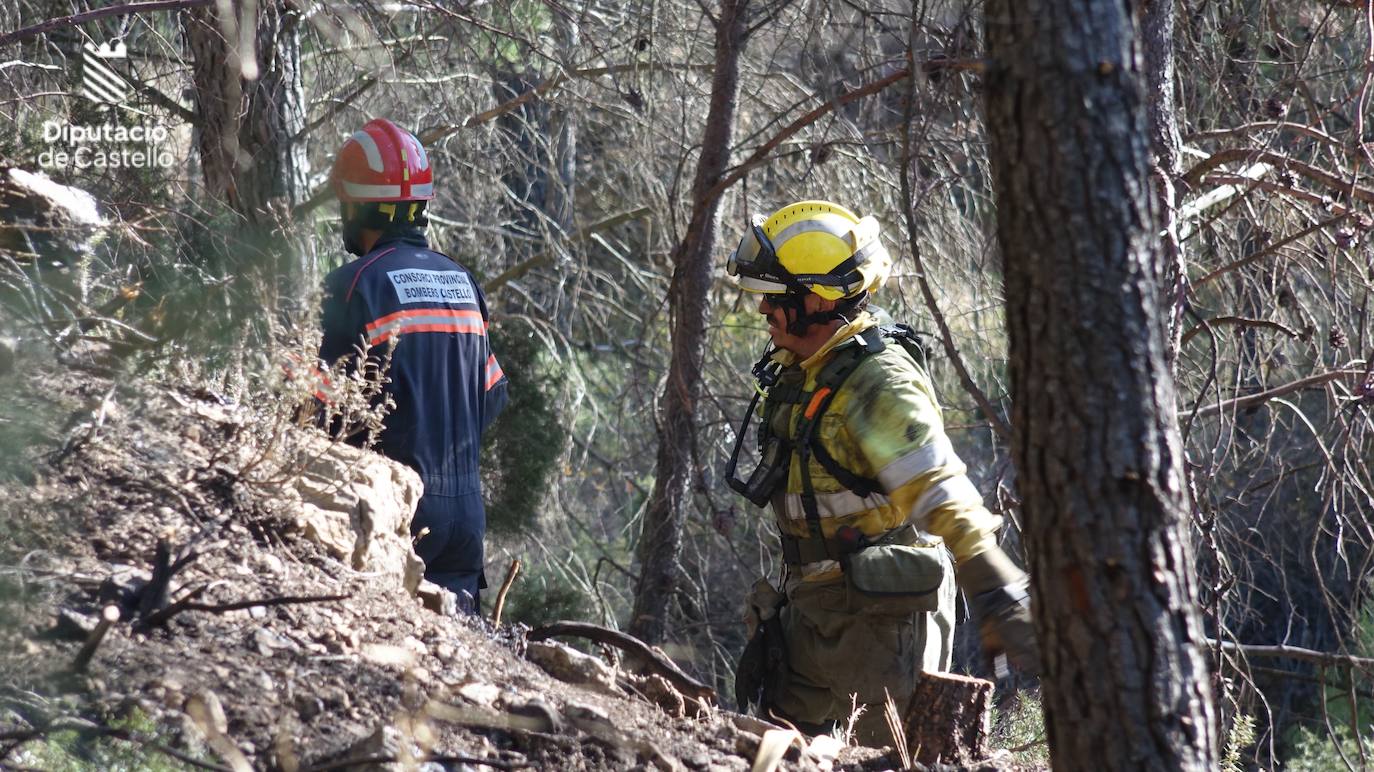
x=104 y=146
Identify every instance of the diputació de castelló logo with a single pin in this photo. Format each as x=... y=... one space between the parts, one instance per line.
x=116 y=142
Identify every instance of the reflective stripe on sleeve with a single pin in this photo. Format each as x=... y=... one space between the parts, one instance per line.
x=958 y=488
x=494 y=373
x=936 y=454
x=425 y=320
x=324 y=387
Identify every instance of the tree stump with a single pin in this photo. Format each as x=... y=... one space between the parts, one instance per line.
x=948 y=718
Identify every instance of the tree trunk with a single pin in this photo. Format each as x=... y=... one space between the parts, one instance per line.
x=1157 y=38
x=540 y=173
x=1095 y=431
x=250 y=104
x=660 y=544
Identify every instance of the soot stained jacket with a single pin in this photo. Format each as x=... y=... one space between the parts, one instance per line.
x=884 y=424
x=446 y=383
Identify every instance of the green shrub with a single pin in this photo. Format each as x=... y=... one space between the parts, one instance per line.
x=1019 y=726
x=544 y=594
x=1241 y=736
x=75 y=751
x=1314 y=750
x=522 y=449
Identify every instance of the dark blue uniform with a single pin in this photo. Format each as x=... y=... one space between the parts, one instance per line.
x=447 y=385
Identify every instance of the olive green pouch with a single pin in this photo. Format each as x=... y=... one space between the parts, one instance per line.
x=897 y=579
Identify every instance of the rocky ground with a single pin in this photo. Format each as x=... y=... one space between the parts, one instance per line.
x=180 y=577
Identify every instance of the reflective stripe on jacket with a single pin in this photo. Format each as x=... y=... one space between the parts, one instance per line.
x=446 y=382
x=884 y=424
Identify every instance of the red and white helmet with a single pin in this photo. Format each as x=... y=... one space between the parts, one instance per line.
x=382 y=162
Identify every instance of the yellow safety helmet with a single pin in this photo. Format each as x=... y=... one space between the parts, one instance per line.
x=811 y=246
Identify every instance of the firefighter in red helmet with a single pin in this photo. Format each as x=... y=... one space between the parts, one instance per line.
x=426 y=310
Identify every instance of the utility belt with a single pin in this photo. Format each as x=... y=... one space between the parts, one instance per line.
x=897 y=574
x=800 y=550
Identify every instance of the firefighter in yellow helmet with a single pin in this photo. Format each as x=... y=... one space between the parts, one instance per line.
x=870 y=499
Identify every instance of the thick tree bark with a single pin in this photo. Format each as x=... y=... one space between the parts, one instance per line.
x=276 y=177
x=1157 y=39
x=219 y=96
x=660 y=544
x=249 y=122
x=1095 y=432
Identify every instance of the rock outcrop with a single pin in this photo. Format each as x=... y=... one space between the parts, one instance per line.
x=358 y=506
x=355 y=504
x=45 y=219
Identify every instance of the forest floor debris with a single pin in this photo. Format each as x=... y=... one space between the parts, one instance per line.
x=146 y=583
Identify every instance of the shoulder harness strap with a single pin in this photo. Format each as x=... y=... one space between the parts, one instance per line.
x=805 y=443
x=836 y=372
x=911 y=341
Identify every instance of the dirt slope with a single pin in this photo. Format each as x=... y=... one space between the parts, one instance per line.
x=284 y=678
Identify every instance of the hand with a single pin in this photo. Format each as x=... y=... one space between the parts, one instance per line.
x=1004 y=621
x=762 y=664
x=761 y=604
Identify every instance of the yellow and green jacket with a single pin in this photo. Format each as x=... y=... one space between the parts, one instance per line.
x=883 y=423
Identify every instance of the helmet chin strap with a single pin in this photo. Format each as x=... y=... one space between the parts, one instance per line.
x=358 y=217
x=353 y=237
x=799 y=322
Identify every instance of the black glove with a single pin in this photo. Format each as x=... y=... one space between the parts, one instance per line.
x=749 y=672
x=1004 y=622
x=996 y=590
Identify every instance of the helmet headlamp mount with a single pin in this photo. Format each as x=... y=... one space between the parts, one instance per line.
x=755 y=261
x=755 y=258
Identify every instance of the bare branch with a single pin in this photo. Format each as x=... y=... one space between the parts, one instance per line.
x=995 y=420
x=1268 y=250
x=1195 y=175
x=760 y=155
x=108 y=616
x=98 y=13
x=500 y=604
x=545 y=257
x=1299 y=194
x=1250 y=400
x=379 y=761
x=1242 y=322
x=648 y=658
x=186 y=604
x=1250 y=128
x=1283 y=651
x=434 y=134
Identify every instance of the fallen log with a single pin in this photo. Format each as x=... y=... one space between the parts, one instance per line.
x=640 y=656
